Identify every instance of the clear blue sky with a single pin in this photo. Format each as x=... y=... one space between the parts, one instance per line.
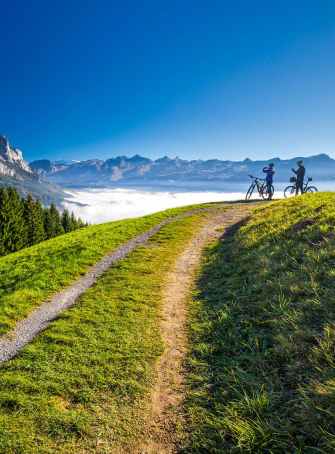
x=194 y=78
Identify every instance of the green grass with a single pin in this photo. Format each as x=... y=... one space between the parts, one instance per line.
x=262 y=333
x=31 y=276
x=80 y=386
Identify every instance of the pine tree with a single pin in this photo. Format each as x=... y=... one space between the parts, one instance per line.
x=58 y=228
x=66 y=221
x=40 y=233
x=33 y=214
x=74 y=221
x=39 y=208
x=48 y=222
x=5 y=221
x=25 y=223
x=18 y=227
x=80 y=224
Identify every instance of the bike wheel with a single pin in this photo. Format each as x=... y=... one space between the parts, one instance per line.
x=289 y=192
x=250 y=191
x=311 y=190
x=265 y=193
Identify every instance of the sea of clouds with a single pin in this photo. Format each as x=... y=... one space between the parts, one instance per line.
x=115 y=204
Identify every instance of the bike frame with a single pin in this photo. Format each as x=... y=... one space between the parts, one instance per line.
x=259 y=183
x=292 y=189
x=305 y=185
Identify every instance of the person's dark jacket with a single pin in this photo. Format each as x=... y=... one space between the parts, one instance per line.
x=300 y=172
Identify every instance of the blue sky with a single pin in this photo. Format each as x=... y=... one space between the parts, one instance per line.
x=198 y=79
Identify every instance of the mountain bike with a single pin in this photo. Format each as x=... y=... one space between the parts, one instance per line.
x=290 y=190
x=261 y=186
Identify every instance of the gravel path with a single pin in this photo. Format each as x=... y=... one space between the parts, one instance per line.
x=40 y=318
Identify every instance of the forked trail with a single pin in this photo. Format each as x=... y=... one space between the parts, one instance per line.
x=165 y=406
x=26 y=330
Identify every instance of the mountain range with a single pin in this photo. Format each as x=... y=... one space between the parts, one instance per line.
x=137 y=170
x=43 y=178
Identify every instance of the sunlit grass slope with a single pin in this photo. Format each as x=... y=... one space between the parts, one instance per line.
x=262 y=365
x=32 y=275
x=78 y=387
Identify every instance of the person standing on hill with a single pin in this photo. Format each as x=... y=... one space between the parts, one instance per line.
x=269 y=170
x=300 y=177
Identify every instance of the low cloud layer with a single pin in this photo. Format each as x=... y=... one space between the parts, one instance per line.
x=115 y=204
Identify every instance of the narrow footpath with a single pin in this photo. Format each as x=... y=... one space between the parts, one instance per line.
x=165 y=407
x=27 y=329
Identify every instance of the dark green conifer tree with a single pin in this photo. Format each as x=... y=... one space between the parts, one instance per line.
x=66 y=221
x=40 y=219
x=39 y=208
x=5 y=221
x=58 y=228
x=18 y=226
x=74 y=221
x=48 y=223
x=25 y=223
x=33 y=214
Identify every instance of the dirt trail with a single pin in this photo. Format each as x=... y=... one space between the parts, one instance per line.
x=165 y=407
x=39 y=319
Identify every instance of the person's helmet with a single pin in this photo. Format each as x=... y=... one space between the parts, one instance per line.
x=300 y=162
x=271 y=165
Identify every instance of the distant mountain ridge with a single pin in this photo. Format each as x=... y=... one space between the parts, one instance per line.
x=123 y=171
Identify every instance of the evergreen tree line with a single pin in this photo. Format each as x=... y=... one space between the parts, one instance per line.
x=24 y=222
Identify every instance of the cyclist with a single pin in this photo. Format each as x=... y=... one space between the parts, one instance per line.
x=300 y=177
x=269 y=170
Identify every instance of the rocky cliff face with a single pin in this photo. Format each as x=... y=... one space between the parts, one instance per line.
x=14 y=171
x=13 y=156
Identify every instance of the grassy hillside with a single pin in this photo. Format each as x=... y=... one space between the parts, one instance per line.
x=261 y=374
x=30 y=276
x=262 y=329
x=78 y=387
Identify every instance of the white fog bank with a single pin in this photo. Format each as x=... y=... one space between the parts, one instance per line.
x=115 y=204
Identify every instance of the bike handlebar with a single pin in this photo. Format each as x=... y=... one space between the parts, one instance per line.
x=251 y=176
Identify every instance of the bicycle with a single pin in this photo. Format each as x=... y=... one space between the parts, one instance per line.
x=262 y=188
x=290 y=190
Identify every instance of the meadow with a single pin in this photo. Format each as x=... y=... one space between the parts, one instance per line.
x=81 y=385
x=260 y=366
x=262 y=334
x=32 y=275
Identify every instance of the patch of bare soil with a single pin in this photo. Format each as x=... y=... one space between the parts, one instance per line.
x=302 y=225
x=322 y=239
x=165 y=409
x=320 y=208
